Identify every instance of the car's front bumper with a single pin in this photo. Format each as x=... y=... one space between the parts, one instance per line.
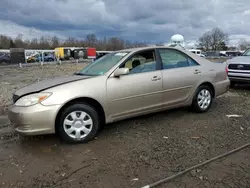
x=239 y=79
x=240 y=76
x=34 y=120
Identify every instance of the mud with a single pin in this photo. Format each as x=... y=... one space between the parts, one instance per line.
x=135 y=152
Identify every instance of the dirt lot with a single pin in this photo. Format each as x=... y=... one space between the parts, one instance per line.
x=131 y=153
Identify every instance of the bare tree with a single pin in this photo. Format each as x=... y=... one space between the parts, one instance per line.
x=70 y=41
x=113 y=43
x=12 y=44
x=19 y=41
x=55 y=42
x=44 y=43
x=244 y=44
x=218 y=37
x=213 y=40
x=91 y=40
x=34 y=43
x=205 y=41
x=4 y=42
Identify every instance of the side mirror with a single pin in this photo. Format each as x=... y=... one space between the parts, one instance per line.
x=121 y=71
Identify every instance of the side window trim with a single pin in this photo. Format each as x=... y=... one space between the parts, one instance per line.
x=185 y=55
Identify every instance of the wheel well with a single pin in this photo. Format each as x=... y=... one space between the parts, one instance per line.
x=92 y=102
x=209 y=85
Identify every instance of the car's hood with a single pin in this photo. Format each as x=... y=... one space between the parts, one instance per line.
x=45 y=84
x=240 y=59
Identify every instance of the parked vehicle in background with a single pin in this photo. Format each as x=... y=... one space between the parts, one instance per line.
x=99 y=54
x=197 y=52
x=120 y=85
x=239 y=68
x=66 y=53
x=233 y=53
x=37 y=57
x=4 y=58
x=33 y=58
x=63 y=53
x=215 y=54
x=49 y=57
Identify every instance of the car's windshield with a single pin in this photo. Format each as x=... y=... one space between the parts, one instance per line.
x=246 y=53
x=103 y=65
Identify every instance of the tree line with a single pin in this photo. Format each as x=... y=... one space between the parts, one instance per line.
x=216 y=39
x=113 y=43
x=213 y=40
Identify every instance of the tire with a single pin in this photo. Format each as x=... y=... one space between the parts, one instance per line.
x=199 y=96
x=232 y=84
x=77 y=125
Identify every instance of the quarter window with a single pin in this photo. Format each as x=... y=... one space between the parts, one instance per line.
x=175 y=59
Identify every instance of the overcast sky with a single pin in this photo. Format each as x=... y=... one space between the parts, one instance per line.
x=137 y=20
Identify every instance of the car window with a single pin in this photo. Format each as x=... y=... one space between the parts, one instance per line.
x=103 y=64
x=141 y=62
x=175 y=59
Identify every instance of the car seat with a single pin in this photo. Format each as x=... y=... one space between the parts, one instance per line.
x=135 y=63
x=136 y=67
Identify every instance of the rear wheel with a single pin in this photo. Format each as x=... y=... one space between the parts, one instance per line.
x=78 y=123
x=202 y=99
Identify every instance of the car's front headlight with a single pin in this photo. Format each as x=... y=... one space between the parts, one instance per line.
x=32 y=99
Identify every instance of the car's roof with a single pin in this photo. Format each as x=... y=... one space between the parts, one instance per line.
x=197 y=58
x=147 y=48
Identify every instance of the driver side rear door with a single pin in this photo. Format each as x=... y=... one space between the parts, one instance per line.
x=180 y=74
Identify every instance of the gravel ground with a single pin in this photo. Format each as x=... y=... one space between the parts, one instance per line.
x=131 y=153
x=12 y=79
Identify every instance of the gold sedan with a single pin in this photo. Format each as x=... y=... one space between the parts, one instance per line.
x=119 y=85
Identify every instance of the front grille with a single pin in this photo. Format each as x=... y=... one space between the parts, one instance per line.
x=15 y=98
x=239 y=66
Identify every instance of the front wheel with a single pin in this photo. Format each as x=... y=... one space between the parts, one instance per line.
x=78 y=123
x=202 y=99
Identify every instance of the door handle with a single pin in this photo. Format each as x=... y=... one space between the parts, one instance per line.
x=197 y=71
x=155 y=78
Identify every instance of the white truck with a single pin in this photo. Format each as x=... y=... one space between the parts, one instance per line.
x=197 y=52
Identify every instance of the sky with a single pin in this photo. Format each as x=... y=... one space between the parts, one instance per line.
x=150 y=21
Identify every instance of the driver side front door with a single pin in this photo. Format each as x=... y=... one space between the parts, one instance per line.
x=137 y=93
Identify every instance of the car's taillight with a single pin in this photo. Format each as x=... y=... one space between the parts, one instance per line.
x=226 y=76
